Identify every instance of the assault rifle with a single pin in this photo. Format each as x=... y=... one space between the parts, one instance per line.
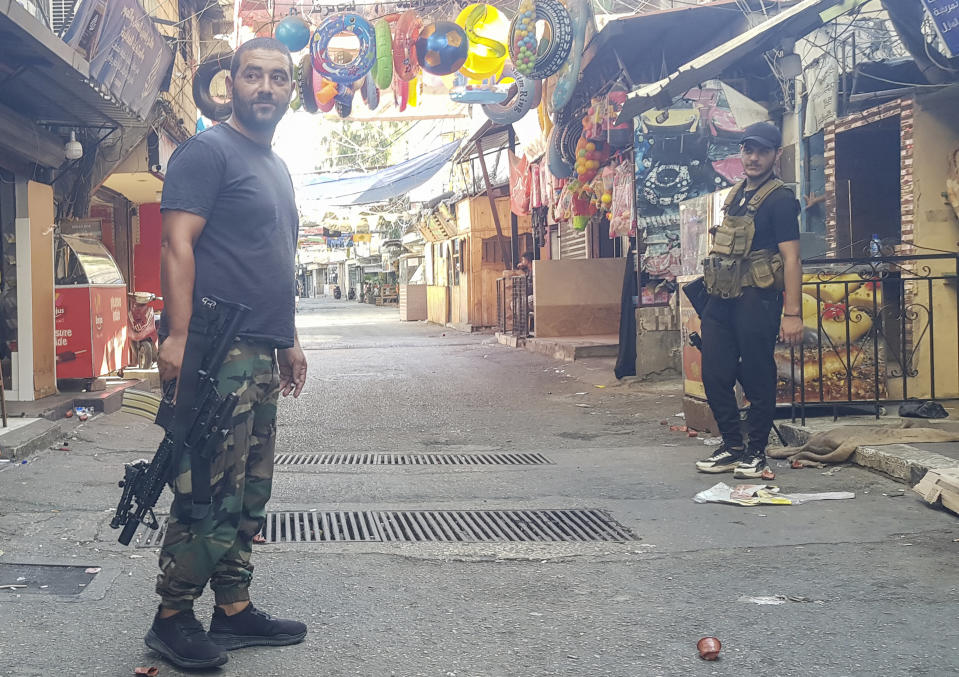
x=196 y=419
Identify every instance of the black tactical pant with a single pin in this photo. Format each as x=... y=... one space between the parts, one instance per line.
x=739 y=336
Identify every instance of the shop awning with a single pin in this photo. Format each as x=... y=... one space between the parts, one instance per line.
x=797 y=21
x=359 y=189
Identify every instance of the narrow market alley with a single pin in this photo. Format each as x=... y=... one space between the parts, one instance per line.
x=866 y=586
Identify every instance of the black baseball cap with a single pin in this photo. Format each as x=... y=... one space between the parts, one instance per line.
x=763 y=133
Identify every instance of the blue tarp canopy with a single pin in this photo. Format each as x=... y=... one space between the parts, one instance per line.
x=359 y=189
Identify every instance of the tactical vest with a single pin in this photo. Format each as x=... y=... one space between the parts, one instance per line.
x=732 y=264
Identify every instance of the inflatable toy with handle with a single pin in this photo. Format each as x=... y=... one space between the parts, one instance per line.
x=361 y=64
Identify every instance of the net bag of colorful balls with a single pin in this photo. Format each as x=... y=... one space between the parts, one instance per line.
x=590 y=156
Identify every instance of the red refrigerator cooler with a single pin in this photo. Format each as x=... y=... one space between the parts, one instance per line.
x=91 y=310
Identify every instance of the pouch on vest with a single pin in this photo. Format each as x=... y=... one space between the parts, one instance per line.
x=723 y=277
x=734 y=237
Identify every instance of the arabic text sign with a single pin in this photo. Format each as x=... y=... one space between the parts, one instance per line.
x=127 y=54
x=945 y=14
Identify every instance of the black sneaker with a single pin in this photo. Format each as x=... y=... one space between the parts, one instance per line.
x=754 y=466
x=252 y=627
x=723 y=459
x=182 y=641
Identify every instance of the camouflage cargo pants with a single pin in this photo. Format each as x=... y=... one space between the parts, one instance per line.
x=217 y=549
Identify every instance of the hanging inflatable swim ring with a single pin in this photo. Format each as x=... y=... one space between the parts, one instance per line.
x=408 y=27
x=361 y=64
x=210 y=107
x=369 y=92
x=384 y=54
x=540 y=59
x=487 y=30
x=511 y=111
x=568 y=76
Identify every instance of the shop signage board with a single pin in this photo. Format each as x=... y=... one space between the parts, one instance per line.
x=945 y=15
x=127 y=54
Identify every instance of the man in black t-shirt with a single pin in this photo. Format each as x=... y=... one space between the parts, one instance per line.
x=229 y=230
x=740 y=326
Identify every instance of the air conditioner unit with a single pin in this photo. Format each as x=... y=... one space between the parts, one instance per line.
x=60 y=13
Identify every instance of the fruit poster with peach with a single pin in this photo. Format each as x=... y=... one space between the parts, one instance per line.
x=843 y=357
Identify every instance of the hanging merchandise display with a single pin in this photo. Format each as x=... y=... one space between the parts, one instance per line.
x=293 y=31
x=405 y=65
x=210 y=106
x=580 y=14
x=442 y=48
x=590 y=156
x=383 y=68
x=482 y=57
x=539 y=59
x=514 y=109
x=487 y=30
x=361 y=64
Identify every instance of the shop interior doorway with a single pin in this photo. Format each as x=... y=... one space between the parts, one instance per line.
x=868 y=176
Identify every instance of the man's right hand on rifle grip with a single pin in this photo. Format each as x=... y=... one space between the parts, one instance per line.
x=170 y=357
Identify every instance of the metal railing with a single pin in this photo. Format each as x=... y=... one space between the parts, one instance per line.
x=874 y=335
x=512 y=305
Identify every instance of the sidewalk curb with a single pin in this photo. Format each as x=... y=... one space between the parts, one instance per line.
x=39 y=434
x=902 y=462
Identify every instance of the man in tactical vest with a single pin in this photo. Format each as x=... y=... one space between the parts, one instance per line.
x=754 y=258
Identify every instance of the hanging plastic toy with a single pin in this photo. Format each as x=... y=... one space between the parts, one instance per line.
x=442 y=48
x=293 y=31
x=361 y=64
x=487 y=30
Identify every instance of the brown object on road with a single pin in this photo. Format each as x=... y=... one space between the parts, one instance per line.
x=709 y=648
x=151 y=671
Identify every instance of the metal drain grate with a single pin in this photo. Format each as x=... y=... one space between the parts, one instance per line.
x=411 y=459
x=464 y=526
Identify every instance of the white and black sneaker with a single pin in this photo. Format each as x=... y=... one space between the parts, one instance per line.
x=723 y=459
x=754 y=466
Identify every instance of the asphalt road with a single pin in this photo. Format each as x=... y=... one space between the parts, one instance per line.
x=877 y=573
